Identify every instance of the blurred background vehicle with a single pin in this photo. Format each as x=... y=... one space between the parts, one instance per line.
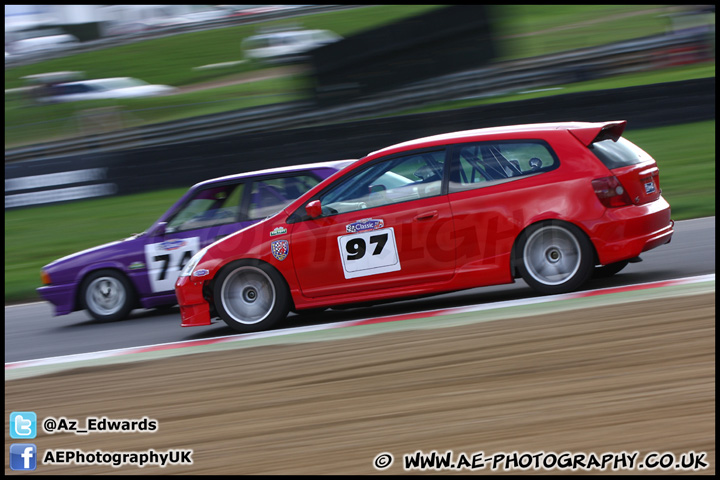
x=43 y=44
x=286 y=46
x=101 y=88
x=110 y=280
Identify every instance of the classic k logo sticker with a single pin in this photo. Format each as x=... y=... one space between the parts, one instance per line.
x=364 y=225
x=280 y=249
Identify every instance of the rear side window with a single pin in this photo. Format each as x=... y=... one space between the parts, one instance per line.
x=482 y=164
x=618 y=154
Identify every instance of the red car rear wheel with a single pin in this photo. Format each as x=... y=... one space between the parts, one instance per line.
x=555 y=257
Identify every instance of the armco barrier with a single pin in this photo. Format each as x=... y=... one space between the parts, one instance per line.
x=181 y=165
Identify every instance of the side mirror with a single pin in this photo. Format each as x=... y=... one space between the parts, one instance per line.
x=160 y=229
x=314 y=209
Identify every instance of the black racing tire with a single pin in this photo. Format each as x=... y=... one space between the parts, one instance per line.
x=605 y=271
x=554 y=257
x=251 y=296
x=107 y=295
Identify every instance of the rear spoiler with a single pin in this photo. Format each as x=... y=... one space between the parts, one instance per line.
x=589 y=133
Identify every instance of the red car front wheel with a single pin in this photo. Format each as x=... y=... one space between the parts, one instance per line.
x=251 y=296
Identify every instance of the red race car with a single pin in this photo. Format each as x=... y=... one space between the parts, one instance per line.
x=551 y=203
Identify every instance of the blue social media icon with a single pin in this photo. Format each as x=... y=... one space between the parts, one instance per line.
x=23 y=456
x=23 y=425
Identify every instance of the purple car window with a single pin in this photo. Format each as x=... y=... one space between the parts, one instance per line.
x=271 y=195
x=210 y=207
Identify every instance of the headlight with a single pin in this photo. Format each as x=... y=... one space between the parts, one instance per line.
x=190 y=266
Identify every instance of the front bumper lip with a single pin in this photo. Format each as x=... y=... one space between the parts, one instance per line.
x=194 y=309
x=195 y=315
x=61 y=296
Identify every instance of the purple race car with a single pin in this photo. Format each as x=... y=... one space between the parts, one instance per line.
x=140 y=272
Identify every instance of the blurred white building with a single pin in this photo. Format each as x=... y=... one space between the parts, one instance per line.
x=94 y=21
x=34 y=28
x=29 y=17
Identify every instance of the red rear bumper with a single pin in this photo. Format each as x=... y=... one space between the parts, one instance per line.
x=626 y=232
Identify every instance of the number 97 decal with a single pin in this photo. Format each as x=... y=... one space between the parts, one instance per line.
x=369 y=253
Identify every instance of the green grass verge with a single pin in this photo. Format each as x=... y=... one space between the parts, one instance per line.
x=672 y=74
x=686 y=157
x=36 y=236
x=39 y=235
x=521 y=31
x=530 y=30
x=68 y=120
x=65 y=120
x=170 y=60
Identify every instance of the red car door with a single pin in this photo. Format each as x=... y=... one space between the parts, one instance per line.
x=385 y=225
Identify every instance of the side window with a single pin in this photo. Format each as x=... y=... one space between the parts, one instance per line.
x=209 y=207
x=270 y=196
x=399 y=179
x=477 y=165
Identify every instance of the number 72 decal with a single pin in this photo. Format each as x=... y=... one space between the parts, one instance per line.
x=369 y=253
x=166 y=259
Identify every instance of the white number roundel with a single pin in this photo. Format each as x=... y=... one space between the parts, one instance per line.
x=166 y=259
x=369 y=253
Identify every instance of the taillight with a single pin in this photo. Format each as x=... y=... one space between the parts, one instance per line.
x=45 y=277
x=610 y=192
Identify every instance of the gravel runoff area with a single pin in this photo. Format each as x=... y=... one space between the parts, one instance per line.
x=634 y=377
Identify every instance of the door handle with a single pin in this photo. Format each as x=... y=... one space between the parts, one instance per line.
x=427 y=215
